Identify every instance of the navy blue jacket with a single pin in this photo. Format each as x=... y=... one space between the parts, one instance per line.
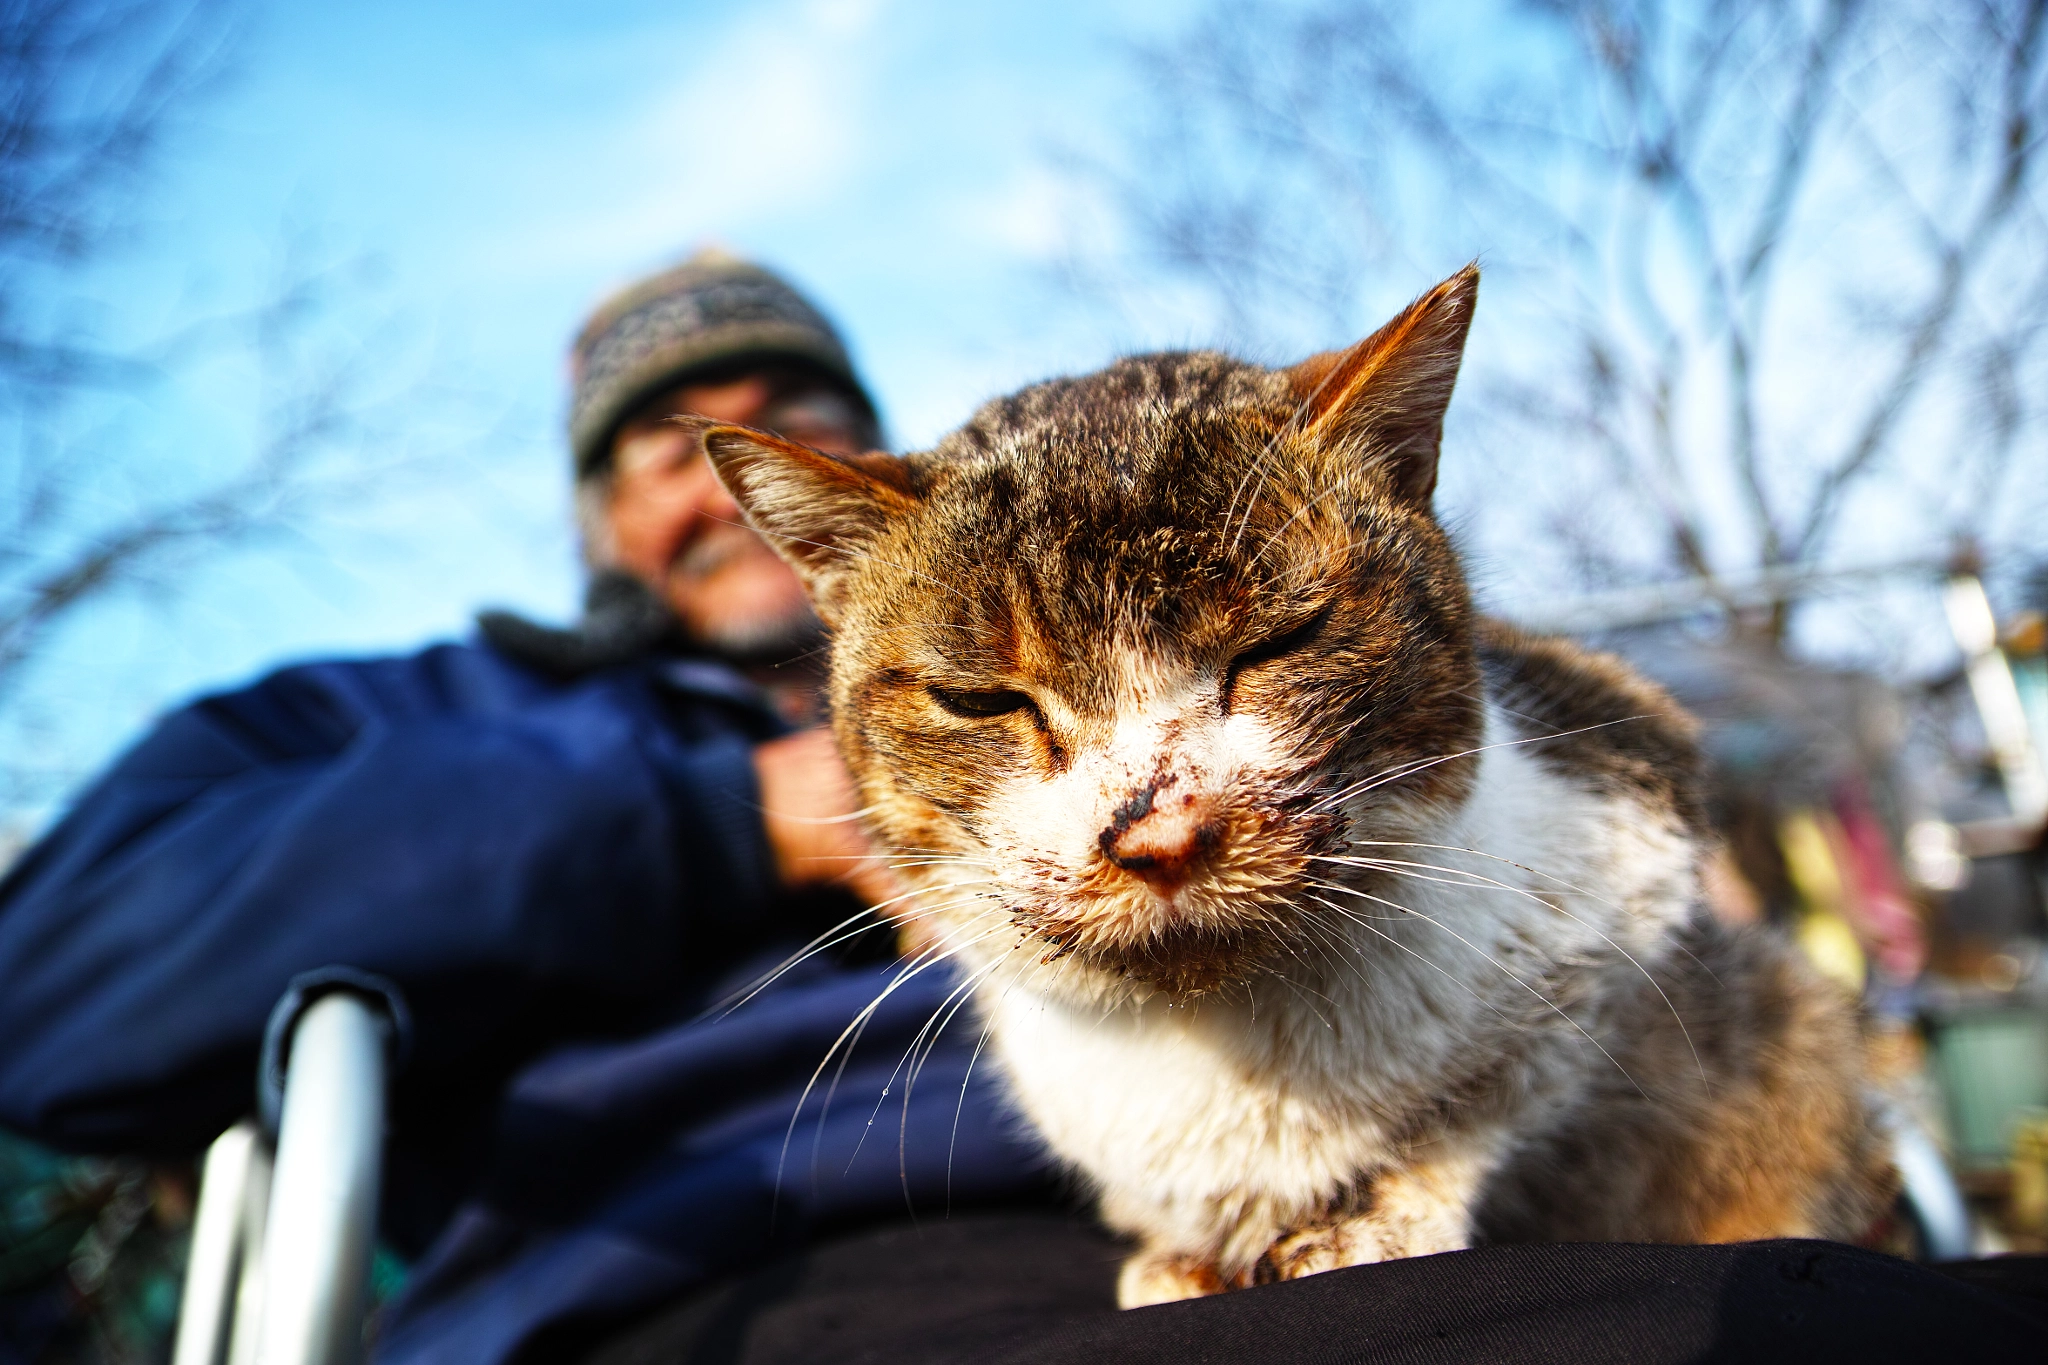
x=563 y=876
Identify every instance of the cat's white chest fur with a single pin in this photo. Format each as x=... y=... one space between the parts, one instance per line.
x=1216 y=1123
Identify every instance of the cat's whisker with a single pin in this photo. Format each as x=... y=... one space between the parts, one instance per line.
x=1332 y=946
x=817 y=945
x=1328 y=947
x=966 y=1077
x=960 y=996
x=1320 y=1016
x=1393 y=773
x=1413 y=766
x=961 y=884
x=1370 y=923
x=1323 y=884
x=950 y=1006
x=959 y=993
x=826 y=941
x=960 y=1106
x=849 y=818
x=1364 y=922
x=843 y=1046
x=820 y=947
x=839 y=1073
x=913 y=863
x=1505 y=971
x=1550 y=877
x=1463 y=877
x=915 y=850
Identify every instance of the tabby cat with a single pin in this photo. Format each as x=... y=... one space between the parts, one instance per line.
x=1313 y=918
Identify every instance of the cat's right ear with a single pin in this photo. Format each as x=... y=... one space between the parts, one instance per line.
x=1384 y=398
x=817 y=510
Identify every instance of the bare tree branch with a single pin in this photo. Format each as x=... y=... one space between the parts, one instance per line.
x=1957 y=261
x=1756 y=254
x=92 y=504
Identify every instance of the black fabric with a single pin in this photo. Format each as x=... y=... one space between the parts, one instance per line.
x=1039 y=1290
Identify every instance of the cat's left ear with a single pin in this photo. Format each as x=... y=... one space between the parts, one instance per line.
x=1384 y=399
x=817 y=510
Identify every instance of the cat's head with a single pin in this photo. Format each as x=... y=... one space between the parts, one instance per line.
x=1122 y=663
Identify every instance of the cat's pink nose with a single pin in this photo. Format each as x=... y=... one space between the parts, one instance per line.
x=1161 y=835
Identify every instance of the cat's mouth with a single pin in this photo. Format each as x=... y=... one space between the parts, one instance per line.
x=1184 y=961
x=1187 y=911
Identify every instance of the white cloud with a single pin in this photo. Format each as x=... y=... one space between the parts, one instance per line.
x=774 y=115
x=845 y=17
x=1031 y=214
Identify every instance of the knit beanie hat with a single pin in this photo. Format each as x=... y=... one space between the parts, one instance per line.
x=712 y=311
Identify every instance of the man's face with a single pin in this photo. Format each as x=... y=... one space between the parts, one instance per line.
x=675 y=528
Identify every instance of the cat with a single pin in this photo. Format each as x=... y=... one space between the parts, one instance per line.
x=1313 y=918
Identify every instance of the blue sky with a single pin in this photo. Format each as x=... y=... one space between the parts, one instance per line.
x=492 y=171
x=500 y=167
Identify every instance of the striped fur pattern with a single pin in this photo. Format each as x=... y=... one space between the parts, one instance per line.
x=1315 y=920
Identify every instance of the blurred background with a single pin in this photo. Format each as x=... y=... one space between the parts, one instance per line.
x=1755 y=393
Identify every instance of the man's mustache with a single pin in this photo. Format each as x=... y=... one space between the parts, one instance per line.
x=712 y=550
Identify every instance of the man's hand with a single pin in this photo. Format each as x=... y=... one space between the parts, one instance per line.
x=808 y=805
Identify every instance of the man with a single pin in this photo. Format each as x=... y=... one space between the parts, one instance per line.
x=553 y=855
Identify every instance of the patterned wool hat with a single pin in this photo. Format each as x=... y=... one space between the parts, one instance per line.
x=712 y=311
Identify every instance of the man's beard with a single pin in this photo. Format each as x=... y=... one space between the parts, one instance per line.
x=746 y=638
x=758 y=640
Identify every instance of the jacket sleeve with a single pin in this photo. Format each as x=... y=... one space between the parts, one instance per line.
x=525 y=861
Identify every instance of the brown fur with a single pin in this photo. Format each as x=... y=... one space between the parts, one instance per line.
x=1182 y=541
x=1776 y=1142
x=1613 y=726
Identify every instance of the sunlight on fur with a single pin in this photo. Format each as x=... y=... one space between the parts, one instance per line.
x=1311 y=918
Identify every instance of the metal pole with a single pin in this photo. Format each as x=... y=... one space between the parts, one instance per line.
x=1997 y=698
x=249 y=1291
x=206 y=1312
x=323 y=1201
x=1934 y=1195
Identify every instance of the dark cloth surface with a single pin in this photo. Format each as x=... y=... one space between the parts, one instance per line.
x=561 y=872
x=1037 y=1290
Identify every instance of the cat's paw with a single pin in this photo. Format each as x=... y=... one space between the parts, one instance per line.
x=1311 y=1251
x=1161 y=1277
x=1363 y=1240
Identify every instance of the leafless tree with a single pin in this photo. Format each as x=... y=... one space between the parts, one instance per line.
x=1767 y=279
x=101 y=490
x=89 y=93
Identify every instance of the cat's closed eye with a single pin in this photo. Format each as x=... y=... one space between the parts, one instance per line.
x=1277 y=646
x=978 y=704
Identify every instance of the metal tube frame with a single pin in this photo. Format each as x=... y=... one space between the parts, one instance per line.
x=281 y=1247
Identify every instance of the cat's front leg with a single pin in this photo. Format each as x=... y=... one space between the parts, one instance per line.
x=1160 y=1275
x=1414 y=1210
